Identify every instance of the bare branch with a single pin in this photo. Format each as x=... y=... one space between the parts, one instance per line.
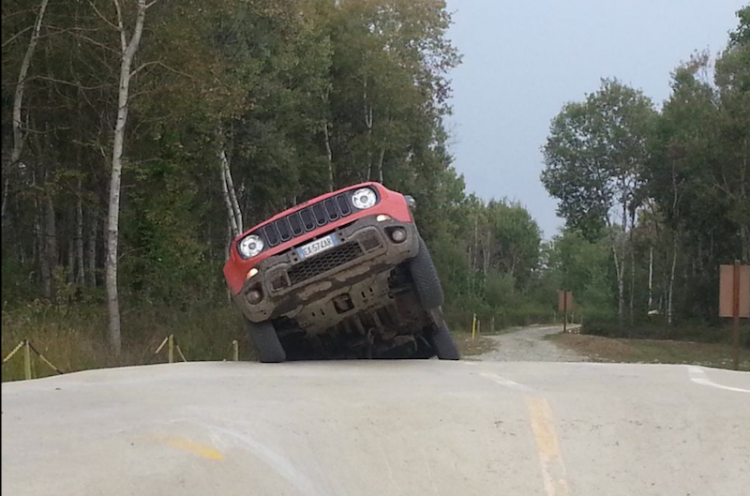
x=92 y=41
x=103 y=17
x=160 y=64
x=12 y=38
x=71 y=83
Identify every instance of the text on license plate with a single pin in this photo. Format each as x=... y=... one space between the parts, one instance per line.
x=317 y=246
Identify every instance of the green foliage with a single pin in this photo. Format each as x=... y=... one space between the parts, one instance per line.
x=164 y=261
x=595 y=154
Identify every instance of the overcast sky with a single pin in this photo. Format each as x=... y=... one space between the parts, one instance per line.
x=523 y=59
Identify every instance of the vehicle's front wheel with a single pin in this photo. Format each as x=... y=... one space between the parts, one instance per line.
x=426 y=279
x=441 y=340
x=266 y=341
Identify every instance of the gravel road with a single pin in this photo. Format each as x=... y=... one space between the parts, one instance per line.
x=528 y=345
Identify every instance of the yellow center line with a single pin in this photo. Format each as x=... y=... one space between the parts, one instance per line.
x=202 y=450
x=548 y=446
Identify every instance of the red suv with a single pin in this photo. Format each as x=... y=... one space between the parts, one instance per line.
x=345 y=275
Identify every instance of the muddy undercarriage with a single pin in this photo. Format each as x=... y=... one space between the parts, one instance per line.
x=379 y=318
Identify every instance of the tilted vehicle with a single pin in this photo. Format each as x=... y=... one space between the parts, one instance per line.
x=344 y=275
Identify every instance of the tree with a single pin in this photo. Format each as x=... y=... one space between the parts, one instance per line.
x=129 y=48
x=515 y=239
x=19 y=137
x=594 y=158
x=733 y=83
x=680 y=165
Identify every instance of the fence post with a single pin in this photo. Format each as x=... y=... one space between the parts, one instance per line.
x=27 y=359
x=474 y=326
x=235 y=351
x=171 y=348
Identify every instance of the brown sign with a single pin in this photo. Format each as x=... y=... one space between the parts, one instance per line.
x=727 y=291
x=564 y=301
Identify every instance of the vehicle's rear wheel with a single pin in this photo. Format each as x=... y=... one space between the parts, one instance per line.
x=266 y=341
x=425 y=277
x=441 y=340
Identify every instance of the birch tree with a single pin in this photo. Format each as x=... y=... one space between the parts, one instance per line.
x=129 y=44
x=229 y=193
x=19 y=134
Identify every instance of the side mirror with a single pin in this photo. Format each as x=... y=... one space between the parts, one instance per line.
x=410 y=202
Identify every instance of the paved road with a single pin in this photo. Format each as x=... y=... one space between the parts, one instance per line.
x=528 y=345
x=380 y=428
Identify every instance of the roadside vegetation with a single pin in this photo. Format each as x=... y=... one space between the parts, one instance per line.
x=114 y=236
x=619 y=350
x=655 y=199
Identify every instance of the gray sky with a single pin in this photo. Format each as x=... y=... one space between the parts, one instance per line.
x=523 y=59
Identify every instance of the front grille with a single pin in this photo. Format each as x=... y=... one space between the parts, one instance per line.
x=335 y=257
x=305 y=220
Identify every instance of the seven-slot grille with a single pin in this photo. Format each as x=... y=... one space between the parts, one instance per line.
x=314 y=266
x=305 y=220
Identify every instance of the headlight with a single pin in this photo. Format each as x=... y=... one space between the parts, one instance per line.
x=364 y=198
x=251 y=246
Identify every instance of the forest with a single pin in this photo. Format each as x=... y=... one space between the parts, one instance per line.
x=140 y=137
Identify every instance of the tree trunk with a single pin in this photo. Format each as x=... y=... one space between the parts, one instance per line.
x=650 y=278
x=487 y=255
x=41 y=249
x=80 y=275
x=621 y=296
x=632 y=285
x=6 y=189
x=234 y=212
x=744 y=179
x=380 y=165
x=50 y=246
x=227 y=250
x=129 y=50
x=670 y=294
x=71 y=272
x=19 y=137
x=228 y=204
x=329 y=155
x=475 y=262
x=92 y=241
x=368 y=124
x=620 y=273
x=233 y=196
x=18 y=134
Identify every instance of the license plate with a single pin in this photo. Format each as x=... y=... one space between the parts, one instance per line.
x=317 y=246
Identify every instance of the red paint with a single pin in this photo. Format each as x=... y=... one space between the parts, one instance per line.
x=391 y=203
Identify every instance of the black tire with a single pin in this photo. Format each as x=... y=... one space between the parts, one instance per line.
x=266 y=341
x=441 y=340
x=425 y=277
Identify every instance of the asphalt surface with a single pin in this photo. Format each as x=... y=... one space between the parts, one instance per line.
x=379 y=428
x=528 y=345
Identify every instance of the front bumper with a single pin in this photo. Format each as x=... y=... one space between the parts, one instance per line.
x=289 y=284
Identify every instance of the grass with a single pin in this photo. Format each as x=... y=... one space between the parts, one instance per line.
x=622 y=350
x=74 y=337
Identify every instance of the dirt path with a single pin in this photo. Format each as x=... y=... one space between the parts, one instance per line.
x=528 y=345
